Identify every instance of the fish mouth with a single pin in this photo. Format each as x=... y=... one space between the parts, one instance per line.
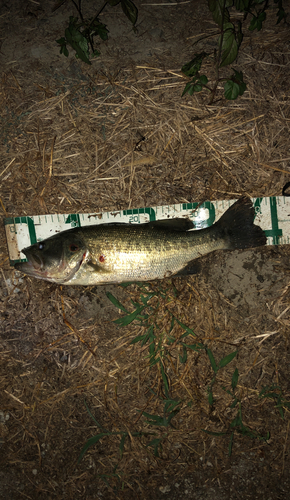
x=33 y=267
x=35 y=261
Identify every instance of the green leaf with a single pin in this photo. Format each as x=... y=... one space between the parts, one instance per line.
x=122 y=443
x=229 y=46
x=99 y=29
x=227 y=359
x=227 y=391
x=214 y=433
x=77 y=42
x=64 y=51
x=165 y=420
x=280 y=409
x=145 y=299
x=188 y=330
x=238 y=78
x=212 y=360
x=154 y=361
x=219 y=13
x=197 y=87
x=257 y=22
x=170 y=417
x=165 y=379
x=130 y=10
x=235 y=379
x=171 y=325
x=281 y=14
x=183 y=357
x=203 y=79
x=210 y=397
x=61 y=41
x=194 y=347
x=140 y=337
x=63 y=47
x=89 y=412
x=272 y=391
x=90 y=442
x=245 y=431
x=234 y=403
x=116 y=302
x=232 y=90
x=144 y=339
x=237 y=421
x=155 y=444
x=113 y=2
x=231 y=443
x=171 y=404
x=275 y=392
x=239 y=34
x=126 y=320
x=235 y=86
x=192 y=67
x=155 y=420
x=188 y=89
x=242 y=5
x=83 y=44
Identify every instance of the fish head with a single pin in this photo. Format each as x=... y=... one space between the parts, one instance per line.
x=55 y=259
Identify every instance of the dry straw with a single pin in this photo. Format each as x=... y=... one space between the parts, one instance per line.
x=130 y=140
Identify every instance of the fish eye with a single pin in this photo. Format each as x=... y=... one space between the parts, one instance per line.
x=41 y=245
x=73 y=247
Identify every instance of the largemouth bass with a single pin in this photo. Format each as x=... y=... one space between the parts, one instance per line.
x=118 y=253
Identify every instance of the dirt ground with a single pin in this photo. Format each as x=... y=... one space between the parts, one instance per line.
x=70 y=142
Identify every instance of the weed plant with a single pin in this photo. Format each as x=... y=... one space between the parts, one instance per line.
x=229 y=39
x=81 y=31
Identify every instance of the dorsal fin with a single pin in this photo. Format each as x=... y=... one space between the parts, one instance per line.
x=177 y=224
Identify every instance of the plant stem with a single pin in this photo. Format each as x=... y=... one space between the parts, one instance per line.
x=97 y=15
x=78 y=7
x=219 y=55
x=94 y=18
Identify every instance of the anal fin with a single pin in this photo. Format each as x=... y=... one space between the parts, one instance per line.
x=193 y=267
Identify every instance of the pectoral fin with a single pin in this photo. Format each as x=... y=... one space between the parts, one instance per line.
x=97 y=268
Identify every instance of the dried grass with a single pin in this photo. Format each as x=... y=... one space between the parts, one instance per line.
x=109 y=143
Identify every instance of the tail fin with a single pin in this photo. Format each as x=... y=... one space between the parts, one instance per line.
x=236 y=225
